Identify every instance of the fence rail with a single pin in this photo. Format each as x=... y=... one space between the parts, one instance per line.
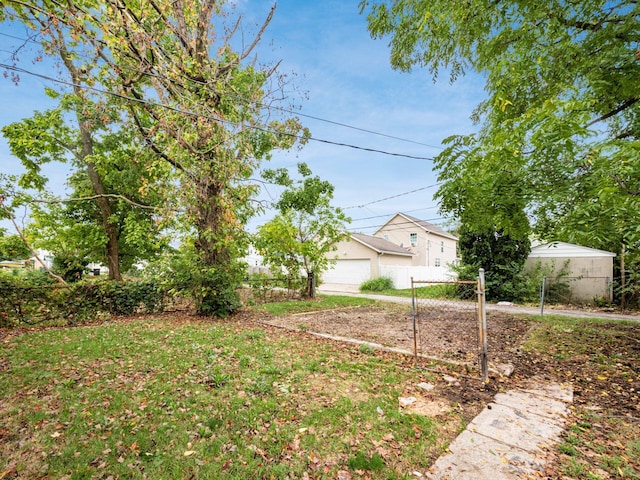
x=452 y=328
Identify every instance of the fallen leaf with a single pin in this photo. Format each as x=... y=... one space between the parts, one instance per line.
x=188 y=453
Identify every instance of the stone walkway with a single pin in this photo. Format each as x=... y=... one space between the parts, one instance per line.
x=510 y=438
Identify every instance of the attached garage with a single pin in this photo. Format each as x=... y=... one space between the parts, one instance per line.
x=348 y=271
x=360 y=257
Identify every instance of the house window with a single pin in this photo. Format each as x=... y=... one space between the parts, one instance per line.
x=437 y=262
x=413 y=238
x=385 y=236
x=441 y=247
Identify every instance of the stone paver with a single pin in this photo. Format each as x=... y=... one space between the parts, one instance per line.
x=508 y=440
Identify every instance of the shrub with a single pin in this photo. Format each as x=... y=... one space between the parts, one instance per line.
x=377 y=285
x=33 y=299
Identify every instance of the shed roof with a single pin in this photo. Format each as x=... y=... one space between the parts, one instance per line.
x=566 y=250
x=380 y=245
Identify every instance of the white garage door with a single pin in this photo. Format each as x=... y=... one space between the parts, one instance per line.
x=352 y=272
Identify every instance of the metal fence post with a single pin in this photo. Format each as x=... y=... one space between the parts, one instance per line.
x=413 y=316
x=482 y=327
x=542 y=292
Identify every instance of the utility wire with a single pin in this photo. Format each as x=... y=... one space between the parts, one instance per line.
x=393 y=196
x=200 y=115
x=262 y=105
x=391 y=214
x=402 y=225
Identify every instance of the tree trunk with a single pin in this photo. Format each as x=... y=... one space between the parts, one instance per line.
x=104 y=205
x=311 y=285
x=219 y=274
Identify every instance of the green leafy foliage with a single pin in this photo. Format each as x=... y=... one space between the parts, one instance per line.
x=302 y=235
x=275 y=285
x=501 y=255
x=213 y=291
x=559 y=131
x=71 y=266
x=377 y=284
x=12 y=247
x=32 y=298
x=210 y=132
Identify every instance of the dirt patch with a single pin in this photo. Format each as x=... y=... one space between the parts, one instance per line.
x=446 y=334
x=453 y=337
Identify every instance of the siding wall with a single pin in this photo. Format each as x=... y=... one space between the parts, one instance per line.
x=589 y=277
x=428 y=248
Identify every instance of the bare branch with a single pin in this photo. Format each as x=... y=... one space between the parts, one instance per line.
x=615 y=111
x=94 y=197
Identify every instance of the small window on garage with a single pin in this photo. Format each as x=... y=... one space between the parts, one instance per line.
x=413 y=238
x=441 y=247
x=437 y=262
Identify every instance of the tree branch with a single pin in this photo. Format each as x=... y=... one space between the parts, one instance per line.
x=26 y=242
x=615 y=111
x=94 y=197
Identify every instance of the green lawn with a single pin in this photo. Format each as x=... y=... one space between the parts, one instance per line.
x=432 y=291
x=172 y=397
x=176 y=398
x=321 y=302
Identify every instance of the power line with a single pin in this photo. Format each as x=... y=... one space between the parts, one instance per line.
x=393 y=196
x=262 y=105
x=391 y=214
x=201 y=115
x=401 y=225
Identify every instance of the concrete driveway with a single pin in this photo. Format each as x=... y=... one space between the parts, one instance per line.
x=353 y=290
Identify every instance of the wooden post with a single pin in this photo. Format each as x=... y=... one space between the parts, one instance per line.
x=482 y=327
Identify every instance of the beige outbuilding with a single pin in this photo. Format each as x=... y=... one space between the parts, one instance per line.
x=587 y=271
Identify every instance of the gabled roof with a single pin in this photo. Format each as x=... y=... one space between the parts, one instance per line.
x=566 y=250
x=380 y=245
x=426 y=226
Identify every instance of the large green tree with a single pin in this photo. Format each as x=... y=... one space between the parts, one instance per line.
x=561 y=118
x=194 y=101
x=302 y=235
x=117 y=173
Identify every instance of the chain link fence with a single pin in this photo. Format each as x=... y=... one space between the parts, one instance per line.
x=262 y=288
x=449 y=322
x=579 y=290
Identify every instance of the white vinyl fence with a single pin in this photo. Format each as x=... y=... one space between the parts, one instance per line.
x=401 y=276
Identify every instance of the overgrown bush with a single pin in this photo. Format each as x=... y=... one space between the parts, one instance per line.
x=214 y=292
x=70 y=266
x=33 y=298
x=557 y=288
x=377 y=285
x=501 y=255
x=267 y=287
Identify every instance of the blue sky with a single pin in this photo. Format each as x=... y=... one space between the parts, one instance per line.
x=326 y=49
